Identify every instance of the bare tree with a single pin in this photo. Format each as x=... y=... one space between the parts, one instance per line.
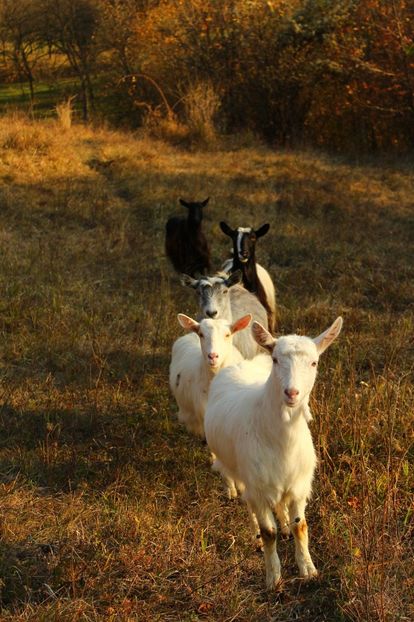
x=70 y=27
x=19 y=32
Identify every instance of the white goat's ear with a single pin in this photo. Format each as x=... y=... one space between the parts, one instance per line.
x=325 y=339
x=263 y=337
x=188 y=323
x=241 y=323
x=187 y=280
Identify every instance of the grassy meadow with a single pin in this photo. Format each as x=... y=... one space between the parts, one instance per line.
x=109 y=508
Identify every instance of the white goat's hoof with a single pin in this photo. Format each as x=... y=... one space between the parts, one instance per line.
x=308 y=571
x=285 y=530
x=231 y=492
x=273 y=583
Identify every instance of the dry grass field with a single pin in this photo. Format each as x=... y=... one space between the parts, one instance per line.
x=109 y=510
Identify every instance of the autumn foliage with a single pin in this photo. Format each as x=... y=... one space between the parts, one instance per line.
x=332 y=73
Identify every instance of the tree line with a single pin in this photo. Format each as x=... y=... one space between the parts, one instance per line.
x=332 y=73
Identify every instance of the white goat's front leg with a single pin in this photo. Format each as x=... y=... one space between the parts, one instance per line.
x=231 y=489
x=257 y=538
x=230 y=484
x=268 y=532
x=300 y=532
x=282 y=514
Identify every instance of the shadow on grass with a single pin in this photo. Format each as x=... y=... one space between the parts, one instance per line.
x=26 y=569
x=64 y=449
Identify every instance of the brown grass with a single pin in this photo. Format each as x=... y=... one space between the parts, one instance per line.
x=109 y=509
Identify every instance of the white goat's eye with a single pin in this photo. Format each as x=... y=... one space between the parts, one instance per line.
x=228 y=334
x=314 y=364
x=275 y=360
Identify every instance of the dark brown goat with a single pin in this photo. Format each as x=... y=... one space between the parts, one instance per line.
x=185 y=244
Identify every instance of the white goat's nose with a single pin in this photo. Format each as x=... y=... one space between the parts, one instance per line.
x=291 y=393
x=212 y=356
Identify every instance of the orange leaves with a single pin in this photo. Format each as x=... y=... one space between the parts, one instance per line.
x=205 y=608
x=354 y=503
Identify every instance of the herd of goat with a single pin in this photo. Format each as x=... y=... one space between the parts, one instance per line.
x=244 y=391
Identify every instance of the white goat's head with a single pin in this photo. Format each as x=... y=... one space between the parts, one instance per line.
x=215 y=337
x=213 y=292
x=295 y=359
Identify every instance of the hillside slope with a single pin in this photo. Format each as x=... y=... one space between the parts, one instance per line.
x=109 y=509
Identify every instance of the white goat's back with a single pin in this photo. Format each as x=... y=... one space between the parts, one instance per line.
x=185 y=368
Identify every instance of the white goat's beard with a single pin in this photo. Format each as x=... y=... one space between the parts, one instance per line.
x=286 y=414
x=214 y=369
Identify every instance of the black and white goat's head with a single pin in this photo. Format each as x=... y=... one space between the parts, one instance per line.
x=244 y=240
x=195 y=210
x=213 y=292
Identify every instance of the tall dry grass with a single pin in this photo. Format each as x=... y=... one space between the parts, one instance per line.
x=109 y=509
x=202 y=104
x=64 y=112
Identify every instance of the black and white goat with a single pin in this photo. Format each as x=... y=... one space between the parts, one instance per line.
x=255 y=278
x=185 y=243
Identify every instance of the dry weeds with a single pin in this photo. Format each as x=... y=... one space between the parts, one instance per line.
x=109 y=509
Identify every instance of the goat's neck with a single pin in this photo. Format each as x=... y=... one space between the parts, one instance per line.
x=270 y=415
x=250 y=274
x=250 y=278
x=232 y=356
x=206 y=375
x=194 y=223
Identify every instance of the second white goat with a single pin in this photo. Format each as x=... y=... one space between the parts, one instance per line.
x=196 y=358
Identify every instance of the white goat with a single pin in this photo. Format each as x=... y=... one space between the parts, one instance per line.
x=196 y=358
x=222 y=296
x=255 y=425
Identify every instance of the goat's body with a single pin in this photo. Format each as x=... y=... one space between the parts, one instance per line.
x=269 y=457
x=239 y=415
x=189 y=383
x=269 y=295
x=242 y=301
x=185 y=243
x=260 y=284
x=190 y=377
x=256 y=425
x=187 y=247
